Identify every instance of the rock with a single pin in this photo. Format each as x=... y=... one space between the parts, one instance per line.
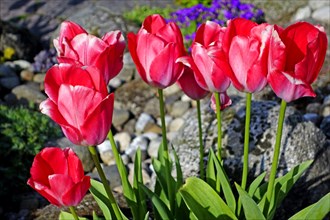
x=25 y=45
x=26 y=94
x=313 y=108
x=111 y=173
x=81 y=151
x=302 y=13
x=318 y=4
x=123 y=139
x=106 y=153
x=145 y=176
x=313 y=117
x=179 y=108
x=326 y=111
x=171 y=90
x=138 y=142
x=154 y=146
x=9 y=82
x=296 y=132
x=143 y=123
x=23 y=65
x=325 y=126
x=39 y=78
x=120 y=116
x=26 y=75
x=326 y=100
x=176 y=124
x=151 y=135
x=115 y=83
x=322 y=14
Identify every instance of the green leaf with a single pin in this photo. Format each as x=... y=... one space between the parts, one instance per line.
x=179 y=176
x=251 y=209
x=101 y=198
x=211 y=178
x=159 y=205
x=146 y=217
x=317 y=210
x=256 y=183
x=95 y=217
x=225 y=185
x=141 y=207
x=68 y=216
x=204 y=201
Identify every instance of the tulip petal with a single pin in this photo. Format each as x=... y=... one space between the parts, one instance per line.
x=69 y=30
x=153 y=23
x=208 y=33
x=172 y=33
x=98 y=122
x=60 y=185
x=74 y=196
x=132 y=46
x=75 y=168
x=45 y=192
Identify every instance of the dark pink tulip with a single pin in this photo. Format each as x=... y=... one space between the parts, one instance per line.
x=208 y=60
x=247 y=44
x=189 y=86
x=155 y=49
x=58 y=175
x=296 y=56
x=76 y=46
x=225 y=101
x=79 y=102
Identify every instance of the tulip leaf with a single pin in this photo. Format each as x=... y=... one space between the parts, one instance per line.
x=158 y=204
x=256 y=183
x=141 y=208
x=282 y=187
x=68 y=216
x=179 y=176
x=318 y=210
x=204 y=201
x=225 y=185
x=146 y=217
x=211 y=177
x=251 y=209
x=100 y=196
x=95 y=217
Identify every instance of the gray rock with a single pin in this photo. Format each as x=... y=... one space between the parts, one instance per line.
x=322 y=14
x=111 y=173
x=120 y=116
x=145 y=176
x=326 y=111
x=123 y=139
x=39 y=78
x=106 y=153
x=144 y=122
x=81 y=151
x=176 y=124
x=325 y=126
x=326 y=100
x=313 y=117
x=138 y=142
x=318 y=4
x=23 y=65
x=154 y=146
x=6 y=70
x=313 y=108
x=302 y=13
x=27 y=93
x=264 y=116
x=26 y=75
x=179 y=108
x=115 y=83
x=9 y=82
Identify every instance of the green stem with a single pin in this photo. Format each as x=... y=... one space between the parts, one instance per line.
x=166 y=153
x=218 y=104
x=276 y=152
x=74 y=213
x=201 y=147
x=96 y=160
x=246 y=140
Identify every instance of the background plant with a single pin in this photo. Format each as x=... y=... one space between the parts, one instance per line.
x=23 y=133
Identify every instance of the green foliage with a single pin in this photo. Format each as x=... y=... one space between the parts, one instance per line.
x=23 y=133
x=189 y=3
x=139 y=13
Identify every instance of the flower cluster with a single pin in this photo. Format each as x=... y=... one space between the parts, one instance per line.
x=189 y=19
x=44 y=60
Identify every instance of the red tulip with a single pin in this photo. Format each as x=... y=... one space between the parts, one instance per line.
x=154 y=50
x=58 y=175
x=225 y=101
x=75 y=45
x=207 y=59
x=296 y=56
x=189 y=86
x=79 y=102
x=247 y=44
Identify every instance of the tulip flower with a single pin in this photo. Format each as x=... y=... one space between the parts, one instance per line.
x=154 y=50
x=207 y=59
x=247 y=44
x=224 y=100
x=296 y=56
x=75 y=45
x=189 y=86
x=79 y=102
x=58 y=175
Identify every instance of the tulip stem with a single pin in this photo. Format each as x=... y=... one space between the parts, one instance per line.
x=104 y=180
x=166 y=153
x=217 y=105
x=74 y=213
x=246 y=140
x=201 y=147
x=276 y=154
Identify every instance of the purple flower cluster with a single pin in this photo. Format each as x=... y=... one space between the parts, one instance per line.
x=44 y=60
x=219 y=11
